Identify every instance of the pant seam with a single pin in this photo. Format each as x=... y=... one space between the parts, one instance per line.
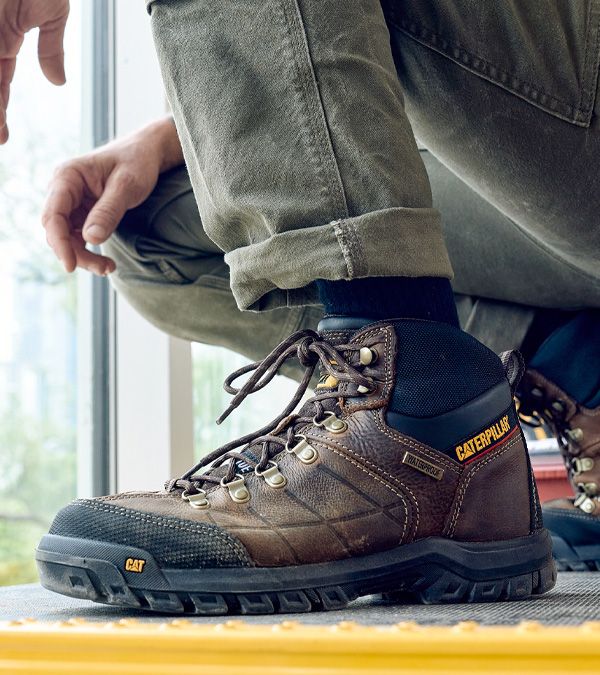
x=312 y=105
x=351 y=249
x=588 y=89
x=488 y=71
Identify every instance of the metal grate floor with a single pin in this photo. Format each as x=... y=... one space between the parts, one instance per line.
x=574 y=600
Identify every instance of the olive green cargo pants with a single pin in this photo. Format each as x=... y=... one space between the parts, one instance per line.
x=297 y=117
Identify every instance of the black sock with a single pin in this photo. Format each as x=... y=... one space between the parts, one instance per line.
x=570 y=357
x=390 y=297
x=545 y=322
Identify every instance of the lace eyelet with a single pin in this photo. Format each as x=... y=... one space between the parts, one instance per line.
x=574 y=435
x=367 y=356
x=580 y=465
x=238 y=491
x=198 y=500
x=303 y=451
x=332 y=423
x=585 y=503
x=273 y=477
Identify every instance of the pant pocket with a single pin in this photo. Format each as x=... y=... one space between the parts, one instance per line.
x=544 y=51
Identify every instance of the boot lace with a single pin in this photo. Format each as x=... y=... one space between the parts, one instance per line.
x=341 y=362
x=536 y=408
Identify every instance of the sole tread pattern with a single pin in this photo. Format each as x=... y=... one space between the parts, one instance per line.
x=439 y=585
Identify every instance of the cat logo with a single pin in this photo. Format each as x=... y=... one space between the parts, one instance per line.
x=134 y=565
x=486 y=439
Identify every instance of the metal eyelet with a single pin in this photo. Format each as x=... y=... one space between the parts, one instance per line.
x=574 y=435
x=332 y=423
x=581 y=464
x=585 y=503
x=238 y=491
x=590 y=489
x=303 y=451
x=272 y=476
x=198 y=500
x=367 y=356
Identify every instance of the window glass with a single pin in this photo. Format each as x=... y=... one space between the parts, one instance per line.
x=38 y=312
x=211 y=367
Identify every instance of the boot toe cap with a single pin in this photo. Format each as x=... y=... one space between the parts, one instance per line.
x=172 y=542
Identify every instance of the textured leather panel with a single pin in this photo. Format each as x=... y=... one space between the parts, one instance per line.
x=381 y=450
x=493 y=499
x=322 y=536
x=266 y=547
x=320 y=515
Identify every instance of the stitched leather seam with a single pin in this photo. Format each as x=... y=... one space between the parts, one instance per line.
x=463 y=488
x=349 y=409
x=379 y=480
x=325 y=522
x=534 y=496
x=157 y=520
x=375 y=467
x=341 y=334
x=399 y=438
x=134 y=496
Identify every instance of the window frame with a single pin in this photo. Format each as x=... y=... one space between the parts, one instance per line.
x=144 y=418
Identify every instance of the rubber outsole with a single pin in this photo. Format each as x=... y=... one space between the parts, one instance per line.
x=433 y=570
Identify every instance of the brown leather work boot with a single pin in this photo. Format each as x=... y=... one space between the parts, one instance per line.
x=406 y=472
x=573 y=522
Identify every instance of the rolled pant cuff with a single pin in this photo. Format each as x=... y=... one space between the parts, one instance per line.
x=280 y=271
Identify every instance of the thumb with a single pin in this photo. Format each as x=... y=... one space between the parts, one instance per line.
x=106 y=214
x=50 y=50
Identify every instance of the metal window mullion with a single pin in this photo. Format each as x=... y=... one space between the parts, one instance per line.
x=103 y=447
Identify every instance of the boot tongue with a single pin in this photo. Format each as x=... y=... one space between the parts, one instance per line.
x=336 y=330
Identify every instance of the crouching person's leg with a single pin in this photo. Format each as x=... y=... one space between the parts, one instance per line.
x=175 y=276
x=407 y=470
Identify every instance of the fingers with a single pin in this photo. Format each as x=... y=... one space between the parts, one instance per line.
x=50 y=50
x=67 y=243
x=61 y=201
x=90 y=261
x=108 y=211
x=7 y=70
x=66 y=208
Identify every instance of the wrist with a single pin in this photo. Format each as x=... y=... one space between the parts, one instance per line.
x=163 y=134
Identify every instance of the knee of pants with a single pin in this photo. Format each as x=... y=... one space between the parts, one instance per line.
x=160 y=249
x=163 y=238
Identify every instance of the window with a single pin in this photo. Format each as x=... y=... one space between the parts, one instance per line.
x=211 y=367
x=39 y=335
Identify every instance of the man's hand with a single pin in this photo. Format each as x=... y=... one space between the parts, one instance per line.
x=16 y=18
x=89 y=196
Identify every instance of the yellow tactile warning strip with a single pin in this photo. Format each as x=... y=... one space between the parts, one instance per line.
x=132 y=647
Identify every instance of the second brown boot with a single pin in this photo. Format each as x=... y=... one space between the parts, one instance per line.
x=573 y=522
